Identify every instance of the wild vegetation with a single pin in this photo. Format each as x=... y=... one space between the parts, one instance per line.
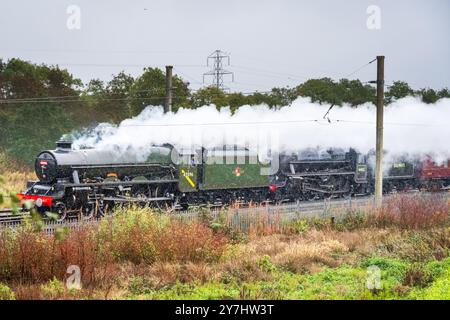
x=141 y=254
x=40 y=103
x=14 y=175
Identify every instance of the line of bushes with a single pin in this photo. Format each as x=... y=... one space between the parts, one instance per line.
x=137 y=236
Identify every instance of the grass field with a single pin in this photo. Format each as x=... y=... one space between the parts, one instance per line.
x=13 y=178
x=139 y=254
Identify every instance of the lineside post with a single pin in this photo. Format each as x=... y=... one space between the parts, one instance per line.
x=168 y=102
x=379 y=132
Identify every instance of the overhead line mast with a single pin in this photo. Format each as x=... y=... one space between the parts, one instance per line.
x=379 y=132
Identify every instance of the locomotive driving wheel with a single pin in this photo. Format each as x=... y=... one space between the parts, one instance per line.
x=160 y=192
x=87 y=211
x=61 y=211
x=92 y=209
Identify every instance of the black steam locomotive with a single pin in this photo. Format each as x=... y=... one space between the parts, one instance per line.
x=88 y=182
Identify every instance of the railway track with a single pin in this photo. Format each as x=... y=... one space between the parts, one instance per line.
x=9 y=216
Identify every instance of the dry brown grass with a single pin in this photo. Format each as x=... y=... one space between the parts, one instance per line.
x=162 y=274
x=314 y=249
x=14 y=177
x=306 y=253
x=410 y=212
x=309 y=252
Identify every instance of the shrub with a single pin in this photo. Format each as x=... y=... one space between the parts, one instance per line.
x=352 y=220
x=130 y=235
x=26 y=255
x=6 y=293
x=193 y=242
x=411 y=212
x=417 y=275
x=299 y=226
x=438 y=268
x=267 y=265
x=391 y=267
x=53 y=289
x=417 y=245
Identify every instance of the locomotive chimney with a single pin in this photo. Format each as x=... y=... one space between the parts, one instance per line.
x=63 y=145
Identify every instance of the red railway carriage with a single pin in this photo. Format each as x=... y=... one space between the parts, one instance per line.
x=433 y=170
x=435 y=175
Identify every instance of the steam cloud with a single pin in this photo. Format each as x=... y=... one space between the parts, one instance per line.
x=410 y=127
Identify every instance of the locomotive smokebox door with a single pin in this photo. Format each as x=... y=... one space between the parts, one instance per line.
x=189 y=167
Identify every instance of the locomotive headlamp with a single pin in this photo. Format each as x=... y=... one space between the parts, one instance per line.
x=38 y=202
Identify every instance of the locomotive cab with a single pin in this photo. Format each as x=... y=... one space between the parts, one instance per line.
x=190 y=166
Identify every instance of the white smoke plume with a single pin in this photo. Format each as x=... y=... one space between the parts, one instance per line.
x=410 y=127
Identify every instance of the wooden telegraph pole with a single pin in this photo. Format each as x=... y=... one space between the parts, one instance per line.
x=379 y=132
x=168 y=102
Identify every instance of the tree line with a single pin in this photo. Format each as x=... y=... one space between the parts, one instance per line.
x=39 y=102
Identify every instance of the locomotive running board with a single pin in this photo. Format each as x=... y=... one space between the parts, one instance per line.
x=313 y=174
x=398 y=177
x=118 y=183
x=325 y=191
x=125 y=165
x=318 y=161
x=136 y=199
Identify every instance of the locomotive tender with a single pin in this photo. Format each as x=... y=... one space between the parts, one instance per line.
x=88 y=182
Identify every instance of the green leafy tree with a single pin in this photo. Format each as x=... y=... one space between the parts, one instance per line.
x=236 y=100
x=398 y=90
x=120 y=85
x=111 y=101
x=118 y=92
x=95 y=88
x=21 y=79
x=323 y=90
x=444 y=93
x=28 y=127
x=280 y=97
x=259 y=98
x=354 y=92
x=59 y=82
x=149 y=89
x=209 y=95
x=429 y=95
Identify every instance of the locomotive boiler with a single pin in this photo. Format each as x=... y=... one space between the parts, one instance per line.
x=64 y=164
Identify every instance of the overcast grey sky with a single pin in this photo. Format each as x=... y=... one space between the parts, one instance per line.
x=272 y=43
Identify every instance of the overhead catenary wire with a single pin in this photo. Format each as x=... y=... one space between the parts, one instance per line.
x=219 y=123
x=268 y=72
x=187 y=76
x=318 y=121
x=52 y=98
x=79 y=98
x=394 y=123
x=360 y=68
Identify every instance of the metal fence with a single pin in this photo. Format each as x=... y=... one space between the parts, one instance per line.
x=276 y=217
